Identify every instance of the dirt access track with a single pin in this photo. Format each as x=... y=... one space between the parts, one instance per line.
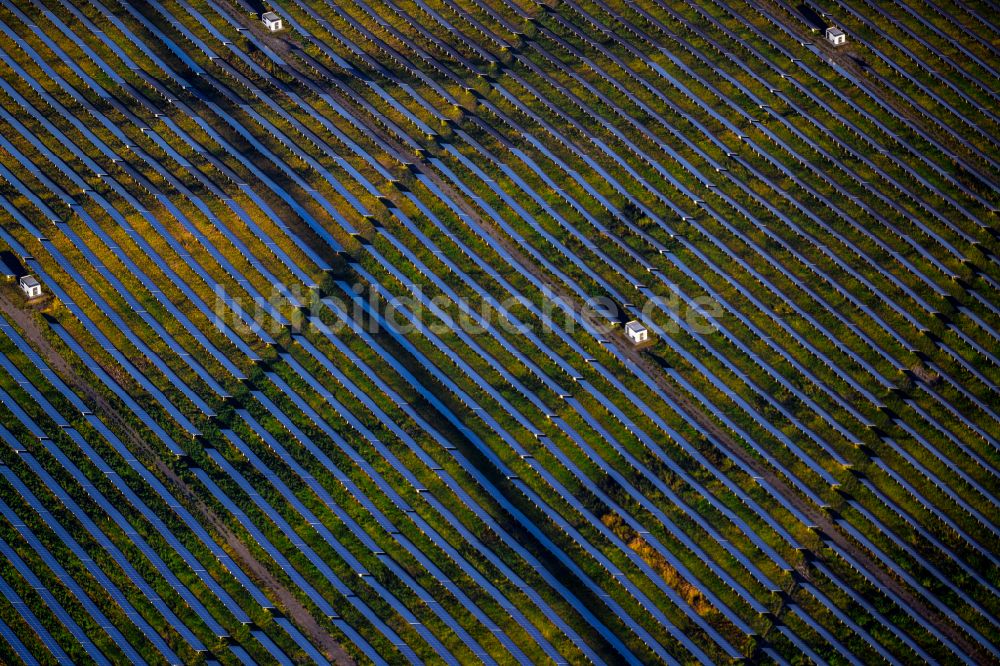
x=283 y=598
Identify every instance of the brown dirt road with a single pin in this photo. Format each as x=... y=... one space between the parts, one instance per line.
x=277 y=591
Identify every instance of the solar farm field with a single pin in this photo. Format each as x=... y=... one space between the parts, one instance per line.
x=331 y=365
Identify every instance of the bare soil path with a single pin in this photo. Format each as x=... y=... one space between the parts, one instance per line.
x=275 y=590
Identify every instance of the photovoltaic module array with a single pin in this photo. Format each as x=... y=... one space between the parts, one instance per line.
x=499 y=331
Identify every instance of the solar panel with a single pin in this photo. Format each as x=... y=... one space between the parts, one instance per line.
x=101 y=539
x=812 y=197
